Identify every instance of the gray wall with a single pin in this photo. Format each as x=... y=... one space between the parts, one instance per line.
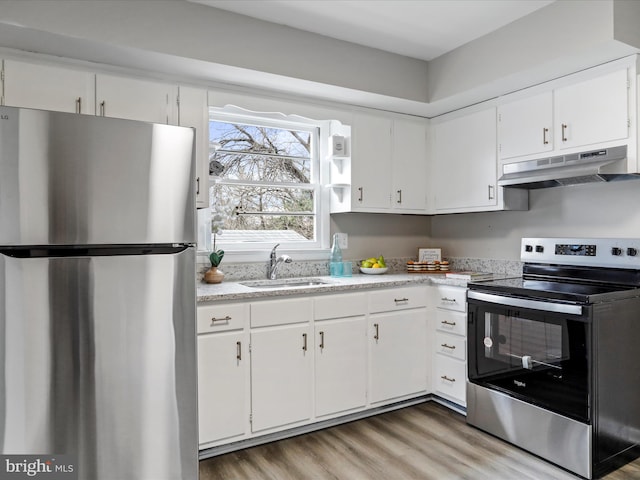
x=192 y=31
x=373 y=234
x=592 y=210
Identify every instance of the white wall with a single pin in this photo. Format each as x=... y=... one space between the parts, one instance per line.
x=590 y=210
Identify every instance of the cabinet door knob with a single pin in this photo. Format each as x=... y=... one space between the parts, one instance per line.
x=376 y=336
x=239 y=350
x=545 y=140
x=304 y=342
x=360 y=190
x=399 y=197
x=321 y=340
x=564 y=132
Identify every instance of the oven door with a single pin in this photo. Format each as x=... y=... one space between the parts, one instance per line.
x=534 y=350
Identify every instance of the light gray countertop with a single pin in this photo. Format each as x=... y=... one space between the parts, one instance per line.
x=237 y=291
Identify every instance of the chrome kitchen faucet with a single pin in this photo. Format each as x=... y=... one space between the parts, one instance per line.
x=274 y=262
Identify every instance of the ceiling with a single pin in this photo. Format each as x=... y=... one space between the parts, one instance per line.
x=423 y=29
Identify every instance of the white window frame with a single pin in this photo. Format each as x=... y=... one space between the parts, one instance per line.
x=312 y=250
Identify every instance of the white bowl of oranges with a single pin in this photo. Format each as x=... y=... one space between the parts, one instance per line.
x=373 y=266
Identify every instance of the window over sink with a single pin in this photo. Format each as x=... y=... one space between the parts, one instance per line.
x=267 y=181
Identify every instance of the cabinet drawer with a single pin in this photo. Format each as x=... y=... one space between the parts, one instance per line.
x=451 y=298
x=450 y=377
x=220 y=318
x=340 y=306
x=451 y=345
x=281 y=312
x=451 y=321
x=397 y=299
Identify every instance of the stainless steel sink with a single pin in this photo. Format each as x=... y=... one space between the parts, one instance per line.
x=285 y=283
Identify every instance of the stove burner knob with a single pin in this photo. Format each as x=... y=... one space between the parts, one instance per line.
x=528 y=248
x=616 y=251
x=539 y=248
x=632 y=252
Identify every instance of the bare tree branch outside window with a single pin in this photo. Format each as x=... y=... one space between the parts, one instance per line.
x=266 y=173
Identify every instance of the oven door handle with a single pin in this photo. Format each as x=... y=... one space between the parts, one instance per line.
x=524 y=303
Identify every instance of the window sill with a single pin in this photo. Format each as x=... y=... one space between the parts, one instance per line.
x=253 y=256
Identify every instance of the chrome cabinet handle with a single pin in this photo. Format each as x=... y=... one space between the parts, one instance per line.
x=321 y=340
x=239 y=350
x=564 y=132
x=445 y=322
x=360 y=189
x=491 y=192
x=79 y=105
x=197 y=185
x=445 y=299
x=444 y=377
x=399 y=197
x=400 y=300
x=224 y=319
x=452 y=347
x=545 y=141
x=377 y=334
x=304 y=342
x=102 y=108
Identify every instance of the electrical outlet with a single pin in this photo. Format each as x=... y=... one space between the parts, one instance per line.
x=343 y=240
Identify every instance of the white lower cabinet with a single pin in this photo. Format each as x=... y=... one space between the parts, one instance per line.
x=340 y=353
x=398 y=354
x=223 y=368
x=281 y=363
x=280 y=376
x=266 y=366
x=398 y=346
x=450 y=344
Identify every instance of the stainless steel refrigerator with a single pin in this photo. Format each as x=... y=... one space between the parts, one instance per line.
x=97 y=294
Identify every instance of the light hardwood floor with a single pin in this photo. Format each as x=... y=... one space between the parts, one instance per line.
x=426 y=442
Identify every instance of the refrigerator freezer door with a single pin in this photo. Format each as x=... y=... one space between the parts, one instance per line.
x=98 y=360
x=69 y=179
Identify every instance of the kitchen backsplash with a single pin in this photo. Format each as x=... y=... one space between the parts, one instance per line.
x=234 y=272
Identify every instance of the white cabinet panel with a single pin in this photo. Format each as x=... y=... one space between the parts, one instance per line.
x=222 y=376
x=193 y=111
x=340 y=365
x=46 y=87
x=409 y=165
x=592 y=111
x=450 y=376
x=224 y=317
x=281 y=376
x=370 y=163
x=398 y=349
x=465 y=161
x=135 y=99
x=281 y=312
x=397 y=299
x=525 y=126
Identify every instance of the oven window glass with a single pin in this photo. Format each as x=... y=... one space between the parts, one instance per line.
x=526 y=343
x=538 y=357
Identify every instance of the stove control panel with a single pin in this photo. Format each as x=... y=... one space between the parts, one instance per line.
x=596 y=252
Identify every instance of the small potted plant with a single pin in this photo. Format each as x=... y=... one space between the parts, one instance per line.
x=220 y=213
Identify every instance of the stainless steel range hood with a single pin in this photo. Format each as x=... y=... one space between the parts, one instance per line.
x=602 y=165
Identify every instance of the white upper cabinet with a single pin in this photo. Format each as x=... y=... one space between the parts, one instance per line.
x=46 y=87
x=593 y=111
x=193 y=111
x=464 y=161
x=576 y=112
x=409 y=165
x=525 y=126
x=370 y=163
x=136 y=99
x=387 y=166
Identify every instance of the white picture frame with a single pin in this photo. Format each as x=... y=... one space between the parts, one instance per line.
x=429 y=254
